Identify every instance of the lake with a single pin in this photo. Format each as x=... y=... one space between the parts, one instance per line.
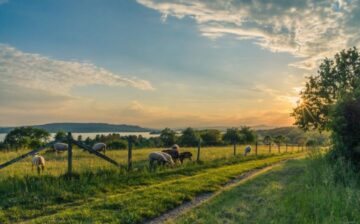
x=93 y=134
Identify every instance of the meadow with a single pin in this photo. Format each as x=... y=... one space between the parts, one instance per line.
x=83 y=161
x=99 y=192
x=310 y=190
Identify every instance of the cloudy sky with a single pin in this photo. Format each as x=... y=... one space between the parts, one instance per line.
x=165 y=63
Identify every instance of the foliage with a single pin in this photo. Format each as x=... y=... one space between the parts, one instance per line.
x=278 y=140
x=233 y=136
x=25 y=137
x=60 y=136
x=335 y=78
x=189 y=137
x=248 y=135
x=168 y=137
x=346 y=127
x=210 y=137
x=267 y=140
x=117 y=144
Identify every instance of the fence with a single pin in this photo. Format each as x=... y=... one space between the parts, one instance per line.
x=136 y=158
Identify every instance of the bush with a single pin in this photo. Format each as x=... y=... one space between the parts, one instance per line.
x=346 y=128
x=117 y=144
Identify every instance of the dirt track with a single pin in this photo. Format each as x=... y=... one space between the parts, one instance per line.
x=172 y=214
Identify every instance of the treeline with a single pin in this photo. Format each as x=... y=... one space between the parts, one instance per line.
x=30 y=137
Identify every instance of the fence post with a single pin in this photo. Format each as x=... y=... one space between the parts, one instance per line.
x=129 y=154
x=69 y=139
x=269 y=147
x=256 y=148
x=286 y=147
x=279 y=148
x=198 y=151
x=234 y=148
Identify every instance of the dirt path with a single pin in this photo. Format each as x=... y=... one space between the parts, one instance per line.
x=198 y=200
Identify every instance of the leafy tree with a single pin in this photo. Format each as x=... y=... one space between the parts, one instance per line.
x=60 y=136
x=117 y=144
x=189 y=137
x=267 y=140
x=24 y=137
x=278 y=140
x=335 y=78
x=79 y=138
x=345 y=127
x=233 y=136
x=210 y=137
x=168 y=137
x=248 y=135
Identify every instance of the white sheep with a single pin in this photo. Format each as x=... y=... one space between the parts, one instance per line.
x=39 y=162
x=247 y=150
x=161 y=158
x=99 y=147
x=61 y=147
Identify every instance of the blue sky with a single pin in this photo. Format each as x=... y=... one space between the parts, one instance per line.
x=164 y=63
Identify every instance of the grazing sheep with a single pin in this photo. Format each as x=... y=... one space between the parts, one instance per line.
x=247 y=150
x=99 y=147
x=173 y=153
x=185 y=155
x=161 y=158
x=39 y=162
x=60 y=147
x=175 y=147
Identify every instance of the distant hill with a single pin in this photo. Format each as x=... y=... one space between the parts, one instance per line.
x=85 y=127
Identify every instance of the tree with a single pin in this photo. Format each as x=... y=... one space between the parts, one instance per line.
x=117 y=144
x=60 y=136
x=233 y=136
x=79 y=138
x=335 y=78
x=210 y=137
x=189 y=137
x=345 y=125
x=168 y=137
x=24 y=137
x=248 y=135
x=267 y=141
x=278 y=140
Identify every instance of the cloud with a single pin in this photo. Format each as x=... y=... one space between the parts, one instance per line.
x=56 y=76
x=310 y=30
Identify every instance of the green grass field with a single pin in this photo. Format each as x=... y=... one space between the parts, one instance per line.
x=98 y=192
x=300 y=191
x=83 y=161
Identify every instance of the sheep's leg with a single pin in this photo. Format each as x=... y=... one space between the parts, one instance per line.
x=43 y=168
x=38 y=169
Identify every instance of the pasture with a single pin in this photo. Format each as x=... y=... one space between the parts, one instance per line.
x=99 y=192
x=83 y=161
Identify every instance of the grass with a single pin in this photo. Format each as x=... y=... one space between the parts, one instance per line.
x=301 y=191
x=104 y=195
x=83 y=162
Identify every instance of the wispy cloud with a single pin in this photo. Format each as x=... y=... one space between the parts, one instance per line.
x=310 y=29
x=38 y=72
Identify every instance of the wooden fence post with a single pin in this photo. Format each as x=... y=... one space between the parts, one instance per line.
x=269 y=147
x=69 y=139
x=234 y=148
x=256 y=148
x=286 y=147
x=129 y=154
x=279 y=148
x=198 y=151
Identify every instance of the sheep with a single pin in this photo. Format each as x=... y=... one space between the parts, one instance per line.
x=173 y=153
x=247 y=150
x=185 y=155
x=60 y=147
x=161 y=158
x=99 y=147
x=39 y=162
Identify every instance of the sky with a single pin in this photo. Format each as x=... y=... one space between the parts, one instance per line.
x=165 y=63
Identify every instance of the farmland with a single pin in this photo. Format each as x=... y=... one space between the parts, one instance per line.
x=99 y=192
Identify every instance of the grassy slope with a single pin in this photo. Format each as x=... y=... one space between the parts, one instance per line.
x=301 y=191
x=124 y=198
